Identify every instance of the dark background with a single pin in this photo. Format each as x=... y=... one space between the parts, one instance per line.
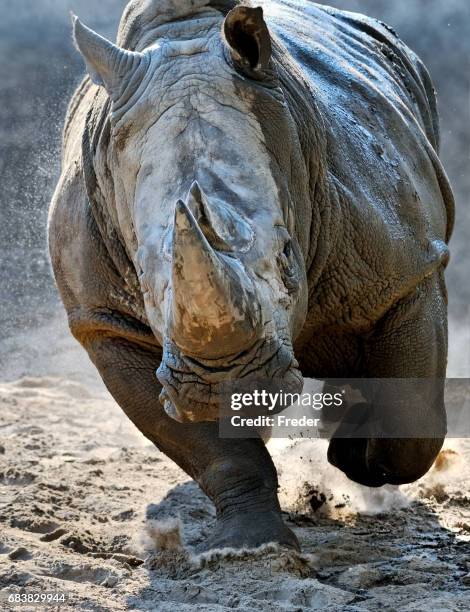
x=39 y=70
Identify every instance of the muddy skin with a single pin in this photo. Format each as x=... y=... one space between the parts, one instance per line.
x=254 y=194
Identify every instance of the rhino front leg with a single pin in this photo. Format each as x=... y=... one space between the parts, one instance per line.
x=409 y=343
x=237 y=475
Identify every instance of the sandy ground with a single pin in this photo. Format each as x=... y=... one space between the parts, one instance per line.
x=81 y=489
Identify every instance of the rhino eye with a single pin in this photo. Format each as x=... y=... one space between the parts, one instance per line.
x=287 y=249
x=288 y=268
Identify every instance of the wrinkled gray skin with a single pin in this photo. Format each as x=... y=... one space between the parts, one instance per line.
x=248 y=199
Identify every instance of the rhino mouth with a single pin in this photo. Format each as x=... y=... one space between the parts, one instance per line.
x=197 y=390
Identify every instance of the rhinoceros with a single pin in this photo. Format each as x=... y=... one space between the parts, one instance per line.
x=255 y=193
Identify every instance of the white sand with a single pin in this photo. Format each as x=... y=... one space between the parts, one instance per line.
x=79 y=485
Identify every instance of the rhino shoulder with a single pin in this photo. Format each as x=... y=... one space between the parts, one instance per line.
x=407 y=61
x=96 y=296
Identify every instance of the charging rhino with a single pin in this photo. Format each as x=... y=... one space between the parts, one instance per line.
x=254 y=193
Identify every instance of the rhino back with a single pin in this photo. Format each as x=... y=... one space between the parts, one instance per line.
x=394 y=205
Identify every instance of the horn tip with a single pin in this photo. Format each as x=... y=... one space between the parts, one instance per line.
x=183 y=216
x=194 y=189
x=195 y=195
x=180 y=207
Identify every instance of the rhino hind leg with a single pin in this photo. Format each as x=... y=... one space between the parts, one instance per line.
x=409 y=343
x=237 y=475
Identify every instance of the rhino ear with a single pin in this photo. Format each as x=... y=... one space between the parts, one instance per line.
x=248 y=36
x=106 y=63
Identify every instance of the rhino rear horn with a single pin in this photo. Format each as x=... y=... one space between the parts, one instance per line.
x=248 y=36
x=107 y=64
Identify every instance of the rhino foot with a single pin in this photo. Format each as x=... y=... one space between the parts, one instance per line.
x=250 y=530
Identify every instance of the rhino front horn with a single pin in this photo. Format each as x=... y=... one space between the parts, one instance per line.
x=214 y=310
x=107 y=64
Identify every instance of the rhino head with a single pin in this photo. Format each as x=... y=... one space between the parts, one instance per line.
x=204 y=153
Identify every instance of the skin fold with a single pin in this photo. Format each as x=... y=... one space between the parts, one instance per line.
x=253 y=196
